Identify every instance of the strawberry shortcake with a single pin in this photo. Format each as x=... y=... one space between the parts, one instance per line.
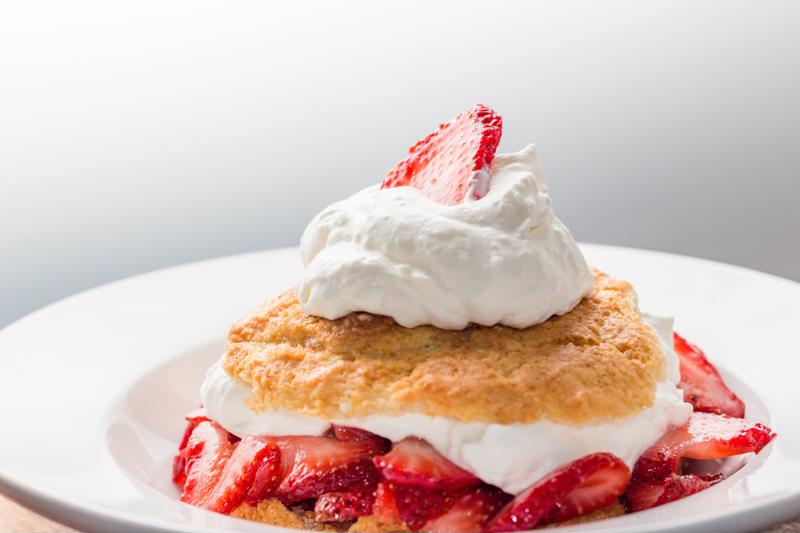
x=449 y=362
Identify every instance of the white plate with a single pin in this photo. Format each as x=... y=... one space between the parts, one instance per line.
x=93 y=388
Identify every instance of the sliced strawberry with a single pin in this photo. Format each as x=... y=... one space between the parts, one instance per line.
x=312 y=466
x=642 y=495
x=179 y=461
x=538 y=502
x=600 y=489
x=344 y=506
x=472 y=510
x=452 y=164
x=385 y=507
x=417 y=506
x=240 y=470
x=704 y=436
x=414 y=462
x=379 y=444
x=207 y=451
x=701 y=383
x=267 y=477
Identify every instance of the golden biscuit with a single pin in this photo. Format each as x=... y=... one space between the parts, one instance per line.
x=598 y=361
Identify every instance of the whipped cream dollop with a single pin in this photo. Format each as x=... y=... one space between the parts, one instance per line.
x=504 y=259
x=509 y=456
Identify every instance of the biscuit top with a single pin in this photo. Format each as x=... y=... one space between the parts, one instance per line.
x=599 y=361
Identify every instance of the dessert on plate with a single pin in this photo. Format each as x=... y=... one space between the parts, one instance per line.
x=449 y=362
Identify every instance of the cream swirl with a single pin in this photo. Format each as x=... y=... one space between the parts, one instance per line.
x=504 y=259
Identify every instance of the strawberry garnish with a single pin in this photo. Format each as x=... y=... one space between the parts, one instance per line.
x=472 y=509
x=344 y=506
x=378 y=443
x=312 y=466
x=596 y=481
x=414 y=462
x=704 y=436
x=452 y=164
x=701 y=383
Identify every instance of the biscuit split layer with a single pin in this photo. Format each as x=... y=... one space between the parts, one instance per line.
x=600 y=361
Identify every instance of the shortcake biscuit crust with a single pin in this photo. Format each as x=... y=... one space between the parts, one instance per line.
x=599 y=361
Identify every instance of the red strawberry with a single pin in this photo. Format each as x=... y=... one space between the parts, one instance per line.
x=385 y=507
x=597 y=480
x=701 y=383
x=599 y=490
x=312 y=466
x=452 y=164
x=642 y=495
x=205 y=454
x=416 y=506
x=344 y=506
x=471 y=511
x=414 y=462
x=267 y=477
x=704 y=436
x=379 y=444
x=218 y=473
x=240 y=470
x=179 y=462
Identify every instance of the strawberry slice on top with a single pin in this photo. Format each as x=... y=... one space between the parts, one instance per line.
x=701 y=383
x=451 y=164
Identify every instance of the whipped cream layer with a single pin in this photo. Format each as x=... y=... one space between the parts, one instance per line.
x=504 y=259
x=509 y=456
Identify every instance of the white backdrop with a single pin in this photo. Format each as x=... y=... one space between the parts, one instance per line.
x=148 y=134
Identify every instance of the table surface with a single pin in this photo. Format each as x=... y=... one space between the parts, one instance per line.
x=14 y=518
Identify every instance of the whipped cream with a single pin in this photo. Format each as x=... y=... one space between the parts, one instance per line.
x=504 y=259
x=510 y=456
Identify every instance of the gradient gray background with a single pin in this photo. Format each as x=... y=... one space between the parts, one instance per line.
x=140 y=136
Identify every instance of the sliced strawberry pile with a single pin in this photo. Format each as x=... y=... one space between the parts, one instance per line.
x=452 y=164
x=658 y=477
x=218 y=472
x=585 y=485
x=414 y=462
x=701 y=383
x=348 y=472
